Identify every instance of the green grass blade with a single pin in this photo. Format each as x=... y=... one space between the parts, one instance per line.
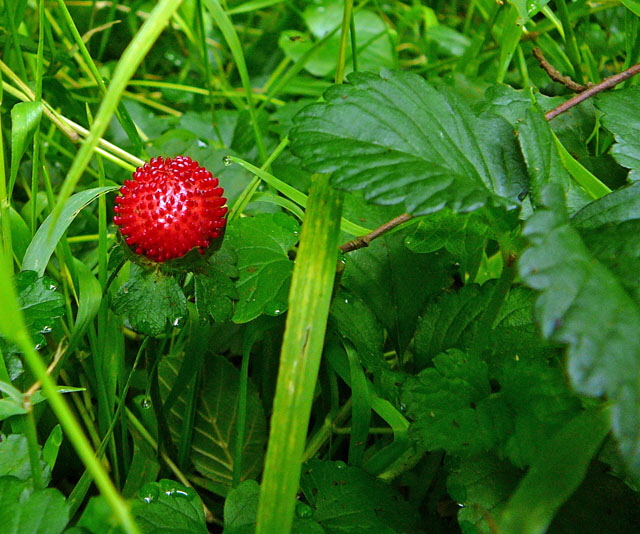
x=52 y=230
x=309 y=300
x=556 y=474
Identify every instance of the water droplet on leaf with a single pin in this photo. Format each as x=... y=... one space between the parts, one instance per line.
x=146 y=403
x=304 y=511
x=226 y=161
x=46 y=330
x=149 y=493
x=341 y=465
x=52 y=287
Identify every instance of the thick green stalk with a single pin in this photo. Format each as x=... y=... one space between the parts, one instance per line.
x=309 y=300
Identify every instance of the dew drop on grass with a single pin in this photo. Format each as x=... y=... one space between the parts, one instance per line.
x=146 y=403
x=303 y=511
x=52 y=287
x=46 y=330
x=226 y=161
x=341 y=465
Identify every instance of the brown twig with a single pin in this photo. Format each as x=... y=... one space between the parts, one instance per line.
x=556 y=75
x=364 y=240
x=607 y=83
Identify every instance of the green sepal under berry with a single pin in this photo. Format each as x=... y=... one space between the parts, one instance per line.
x=193 y=261
x=152 y=301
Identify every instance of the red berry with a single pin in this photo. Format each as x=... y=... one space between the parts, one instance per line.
x=170 y=207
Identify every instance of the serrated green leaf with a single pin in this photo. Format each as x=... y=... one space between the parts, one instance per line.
x=622 y=118
x=212 y=446
x=215 y=290
x=46 y=239
x=151 y=301
x=395 y=283
x=603 y=354
x=449 y=321
x=452 y=406
x=262 y=244
x=167 y=507
x=404 y=142
x=349 y=500
x=24 y=512
x=40 y=303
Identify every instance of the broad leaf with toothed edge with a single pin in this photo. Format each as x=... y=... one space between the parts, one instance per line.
x=402 y=141
x=602 y=334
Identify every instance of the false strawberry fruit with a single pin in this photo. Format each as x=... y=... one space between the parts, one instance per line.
x=170 y=207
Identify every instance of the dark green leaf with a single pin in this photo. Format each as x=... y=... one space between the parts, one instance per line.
x=262 y=244
x=404 y=142
x=356 y=322
x=601 y=492
x=97 y=518
x=215 y=290
x=449 y=321
x=40 y=302
x=602 y=334
x=241 y=509
x=215 y=425
x=483 y=485
x=395 y=283
x=620 y=206
x=555 y=475
x=622 y=117
x=537 y=143
x=464 y=236
x=14 y=459
x=167 y=507
x=151 y=301
x=25 y=512
x=348 y=500
x=452 y=406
